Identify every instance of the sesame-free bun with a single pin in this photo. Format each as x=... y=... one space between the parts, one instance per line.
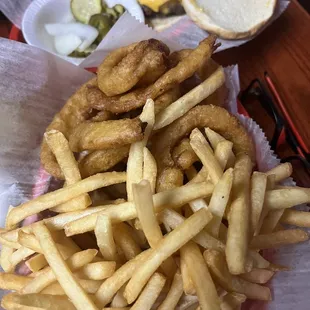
x=230 y=19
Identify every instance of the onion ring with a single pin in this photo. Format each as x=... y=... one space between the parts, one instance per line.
x=76 y=110
x=137 y=98
x=183 y=155
x=102 y=160
x=105 y=135
x=137 y=64
x=214 y=117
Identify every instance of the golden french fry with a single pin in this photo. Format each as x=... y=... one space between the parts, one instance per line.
x=258 y=189
x=61 y=269
x=105 y=239
x=239 y=216
x=223 y=152
x=204 y=152
x=126 y=211
x=191 y=99
x=281 y=172
x=119 y=299
x=199 y=273
x=97 y=271
x=36 y=301
x=183 y=155
x=214 y=139
x=219 y=201
x=89 y=286
x=232 y=301
x=124 y=239
x=59 y=145
x=13 y=282
x=188 y=285
x=170 y=244
x=135 y=158
x=219 y=270
x=287 y=198
x=36 y=263
x=279 y=238
x=297 y=218
x=258 y=260
x=174 y=294
x=143 y=200
x=259 y=276
x=19 y=255
x=150 y=293
x=149 y=168
x=47 y=277
x=271 y=221
x=111 y=285
x=9 y=244
x=5 y=258
x=62 y=195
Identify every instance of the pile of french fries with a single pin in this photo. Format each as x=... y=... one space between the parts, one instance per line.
x=155 y=250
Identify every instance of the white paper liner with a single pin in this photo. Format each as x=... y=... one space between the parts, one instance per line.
x=34 y=86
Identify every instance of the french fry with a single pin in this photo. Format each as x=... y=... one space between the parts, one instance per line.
x=183 y=155
x=149 y=168
x=135 y=158
x=191 y=99
x=5 y=258
x=232 y=301
x=205 y=154
x=13 y=282
x=170 y=244
x=150 y=293
x=219 y=270
x=279 y=238
x=219 y=201
x=125 y=241
x=238 y=217
x=119 y=299
x=105 y=239
x=47 y=277
x=59 y=145
x=62 y=195
x=188 y=285
x=297 y=218
x=287 y=198
x=199 y=273
x=9 y=244
x=61 y=269
x=281 y=172
x=258 y=189
x=97 y=271
x=35 y=301
x=271 y=221
x=259 y=276
x=113 y=284
x=174 y=294
x=36 y=262
x=19 y=255
x=126 y=211
x=89 y=286
x=223 y=152
x=214 y=139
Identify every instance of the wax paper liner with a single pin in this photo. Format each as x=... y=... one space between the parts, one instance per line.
x=185 y=32
x=35 y=85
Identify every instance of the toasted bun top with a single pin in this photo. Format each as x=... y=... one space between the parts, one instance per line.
x=230 y=19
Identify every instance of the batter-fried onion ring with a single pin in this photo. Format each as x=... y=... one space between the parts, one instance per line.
x=137 y=98
x=137 y=64
x=75 y=111
x=214 y=117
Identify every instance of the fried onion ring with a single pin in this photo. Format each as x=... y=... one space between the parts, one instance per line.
x=105 y=135
x=137 y=98
x=75 y=111
x=137 y=64
x=102 y=160
x=214 y=117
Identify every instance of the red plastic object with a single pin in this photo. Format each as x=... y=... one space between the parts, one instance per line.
x=16 y=34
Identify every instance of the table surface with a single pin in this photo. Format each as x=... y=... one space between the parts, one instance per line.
x=283 y=50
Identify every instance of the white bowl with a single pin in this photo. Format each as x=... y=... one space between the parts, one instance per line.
x=41 y=12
